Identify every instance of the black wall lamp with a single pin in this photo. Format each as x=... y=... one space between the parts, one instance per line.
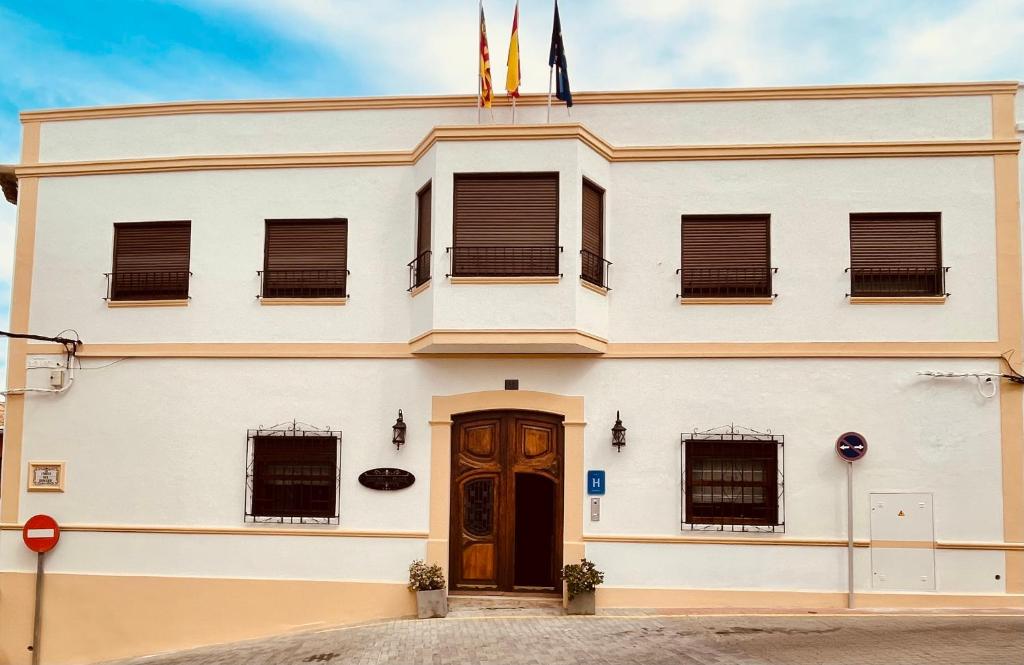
x=618 y=433
x=398 y=431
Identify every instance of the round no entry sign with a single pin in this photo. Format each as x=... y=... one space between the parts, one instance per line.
x=40 y=533
x=851 y=446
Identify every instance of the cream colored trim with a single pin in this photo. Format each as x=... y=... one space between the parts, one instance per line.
x=147 y=303
x=787 y=541
x=569 y=131
x=303 y=531
x=30 y=143
x=520 y=339
x=727 y=301
x=553 y=279
x=904 y=544
x=600 y=290
x=864 y=91
x=309 y=302
x=615 y=350
x=420 y=289
x=32 y=486
x=444 y=407
x=91 y=618
x=892 y=300
x=663 y=598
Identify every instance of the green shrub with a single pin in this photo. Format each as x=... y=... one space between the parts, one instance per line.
x=423 y=577
x=581 y=577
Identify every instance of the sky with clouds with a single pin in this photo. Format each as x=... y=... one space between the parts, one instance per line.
x=56 y=53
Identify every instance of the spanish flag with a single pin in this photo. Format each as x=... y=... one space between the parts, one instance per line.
x=486 y=91
x=514 y=73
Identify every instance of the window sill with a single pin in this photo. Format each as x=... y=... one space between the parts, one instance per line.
x=897 y=300
x=148 y=303
x=544 y=279
x=602 y=290
x=415 y=291
x=727 y=301
x=304 y=301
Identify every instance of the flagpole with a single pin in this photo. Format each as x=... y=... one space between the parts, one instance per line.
x=551 y=77
x=479 y=72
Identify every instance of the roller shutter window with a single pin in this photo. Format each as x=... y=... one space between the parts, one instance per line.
x=295 y=476
x=506 y=224
x=593 y=234
x=151 y=261
x=725 y=256
x=732 y=482
x=422 y=266
x=306 y=258
x=895 y=254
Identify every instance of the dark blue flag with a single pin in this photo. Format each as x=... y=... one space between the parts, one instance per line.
x=556 y=59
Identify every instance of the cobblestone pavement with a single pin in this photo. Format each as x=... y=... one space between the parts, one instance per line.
x=644 y=640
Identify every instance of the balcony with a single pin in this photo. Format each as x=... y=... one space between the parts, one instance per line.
x=151 y=285
x=503 y=261
x=303 y=284
x=898 y=282
x=703 y=283
x=419 y=270
x=594 y=269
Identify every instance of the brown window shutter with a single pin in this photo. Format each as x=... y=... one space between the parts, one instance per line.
x=894 y=254
x=725 y=256
x=593 y=218
x=423 y=220
x=305 y=258
x=151 y=261
x=295 y=476
x=506 y=224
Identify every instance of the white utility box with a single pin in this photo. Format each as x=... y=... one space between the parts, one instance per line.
x=902 y=542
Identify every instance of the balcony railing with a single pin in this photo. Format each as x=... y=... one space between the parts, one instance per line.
x=419 y=270
x=494 y=261
x=147 y=285
x=726 y=282
x=897 y=281
x=304 y=283
x=594 y=269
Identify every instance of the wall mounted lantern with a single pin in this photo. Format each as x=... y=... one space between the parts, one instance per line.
x=618 y=433
x=398 y=431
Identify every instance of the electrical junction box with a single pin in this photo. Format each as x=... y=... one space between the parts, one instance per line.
x=57 y=378
x=902 y=542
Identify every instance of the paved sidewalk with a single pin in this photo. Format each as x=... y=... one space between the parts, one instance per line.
x=643 y=640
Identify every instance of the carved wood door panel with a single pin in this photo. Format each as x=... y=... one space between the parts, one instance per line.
x=506 y=501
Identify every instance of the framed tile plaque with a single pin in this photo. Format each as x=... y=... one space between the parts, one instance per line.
x=46 y=476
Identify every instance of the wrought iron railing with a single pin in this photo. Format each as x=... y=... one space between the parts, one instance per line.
x=419 y=270
x=147 y=285
x=897 y=281
x=594 y=268
x=303 y=283
x=750 y=282
x=503 y=261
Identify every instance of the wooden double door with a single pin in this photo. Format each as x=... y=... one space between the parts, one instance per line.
x=506 y=518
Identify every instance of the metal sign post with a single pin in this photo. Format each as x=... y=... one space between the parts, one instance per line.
x=850 y=447
x=40 y=534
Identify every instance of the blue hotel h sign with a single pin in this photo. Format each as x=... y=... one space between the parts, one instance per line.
x=595 y=482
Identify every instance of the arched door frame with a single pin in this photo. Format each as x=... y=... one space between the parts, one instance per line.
x=570 y=407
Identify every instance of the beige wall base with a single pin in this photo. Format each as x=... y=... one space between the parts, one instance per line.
x=629 y=597
x=88 y=618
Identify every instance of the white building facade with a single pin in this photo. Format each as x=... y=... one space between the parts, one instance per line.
x=784 y=264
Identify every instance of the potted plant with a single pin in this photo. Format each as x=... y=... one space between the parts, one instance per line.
x=429 y=584
x=581 y=579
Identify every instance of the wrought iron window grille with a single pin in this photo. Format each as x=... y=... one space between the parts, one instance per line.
x=734 y=485
x=148 y=285
x=419 y=270
x=726 y=282
x=503 y=261
x=897 y=281
x=293 y=474
x=594 y=269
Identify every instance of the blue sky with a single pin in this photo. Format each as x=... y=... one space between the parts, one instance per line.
x=57 y=53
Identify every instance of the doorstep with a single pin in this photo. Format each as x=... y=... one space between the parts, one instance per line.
x=464 y=605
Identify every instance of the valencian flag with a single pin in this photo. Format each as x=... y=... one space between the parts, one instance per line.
x=514 y=73
x=556 y=59
x=486 y=91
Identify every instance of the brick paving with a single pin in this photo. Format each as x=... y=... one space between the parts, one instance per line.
x=644 y=640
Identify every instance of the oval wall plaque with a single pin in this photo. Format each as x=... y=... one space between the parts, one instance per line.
x=386 y=479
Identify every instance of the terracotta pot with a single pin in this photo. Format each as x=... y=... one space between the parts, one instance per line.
x=582 y=603
x=430 y=604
